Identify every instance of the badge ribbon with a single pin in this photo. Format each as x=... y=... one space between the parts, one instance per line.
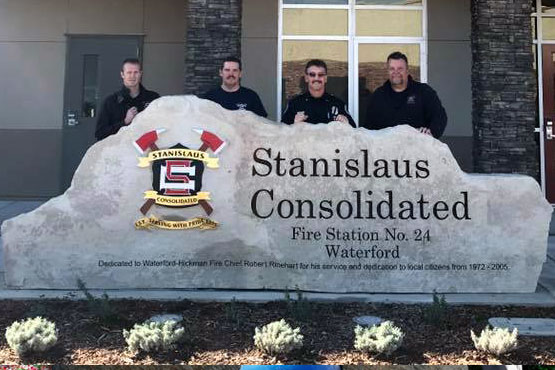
x=173 y=201
x=179 y=154
x=197 y=222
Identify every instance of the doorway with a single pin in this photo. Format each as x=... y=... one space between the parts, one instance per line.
x=548 y=66
x=93 y=64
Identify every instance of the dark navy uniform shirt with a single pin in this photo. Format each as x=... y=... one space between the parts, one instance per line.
x=242 y=99
x=319 y=110
x=418 y=106
x=115 y=107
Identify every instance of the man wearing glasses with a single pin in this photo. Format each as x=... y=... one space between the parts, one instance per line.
x=316 y=105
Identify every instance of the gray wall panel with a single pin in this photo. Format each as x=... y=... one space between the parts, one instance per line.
x=461 y=147
x=32 y=81
x=450 y=62
x=449 y=20
x=165 y=21
x=32 y=20
x=33 y=50
x=34 y=172
x=163 y=65
x=260 y=70
x=260 y=18
x=259 y=50
x=449 y=68
x=105 y=16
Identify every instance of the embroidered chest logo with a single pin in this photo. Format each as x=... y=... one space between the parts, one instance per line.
x=241 y=106
x=177 y=174
x=411 y=100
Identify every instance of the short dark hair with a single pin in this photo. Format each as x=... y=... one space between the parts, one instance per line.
x=397 y=55
x=232 y=59
x=131 y=61
x=316 y=63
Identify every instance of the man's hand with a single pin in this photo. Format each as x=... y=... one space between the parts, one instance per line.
x=425 y=130
x=130 y=115
x=342 y=118
x=300 y=117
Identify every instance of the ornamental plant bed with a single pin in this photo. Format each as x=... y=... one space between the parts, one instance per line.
x=222 y=333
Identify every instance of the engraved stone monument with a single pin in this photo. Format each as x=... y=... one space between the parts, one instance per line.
x=194 y=196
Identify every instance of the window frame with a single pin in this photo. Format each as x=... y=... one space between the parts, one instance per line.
x=354 y=42
x=538 y=42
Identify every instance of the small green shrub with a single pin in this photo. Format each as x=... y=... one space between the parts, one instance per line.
x=102 y=308
x=436 y=313
x=384 y=338
x=278 y=338
x=232 y=313
x=31 y=335
x=497 y=341
x=153 y=336
x=300 y=309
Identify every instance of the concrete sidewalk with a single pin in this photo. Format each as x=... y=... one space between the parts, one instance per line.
x=544 y=295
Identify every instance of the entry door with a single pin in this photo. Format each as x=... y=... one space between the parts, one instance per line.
x=549 y=120
x=92 y=72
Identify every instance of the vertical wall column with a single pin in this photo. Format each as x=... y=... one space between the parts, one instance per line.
x=503 y=87
x=213 y=32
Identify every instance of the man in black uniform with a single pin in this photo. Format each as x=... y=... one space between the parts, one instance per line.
x=316 y=105
x=231 y=95
x=120 y=108
x=403 y=101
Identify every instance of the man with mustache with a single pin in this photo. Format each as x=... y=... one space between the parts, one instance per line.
x=231 y=95
x=120 y=108
x=316 y=105
x=403 y=101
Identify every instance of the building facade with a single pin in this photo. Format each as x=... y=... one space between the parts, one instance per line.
x=487 y=59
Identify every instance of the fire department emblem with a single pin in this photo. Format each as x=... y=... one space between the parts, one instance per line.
x=177 y=174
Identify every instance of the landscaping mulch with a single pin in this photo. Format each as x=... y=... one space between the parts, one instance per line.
x=221 y=333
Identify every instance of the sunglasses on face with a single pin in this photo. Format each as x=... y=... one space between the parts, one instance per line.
x=313 y=74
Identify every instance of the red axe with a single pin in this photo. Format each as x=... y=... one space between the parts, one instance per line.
x=215 y=144
x=148 y=140
x=210 y=141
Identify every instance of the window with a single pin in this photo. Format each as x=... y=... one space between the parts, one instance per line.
x=354 y=38
x=90 y=95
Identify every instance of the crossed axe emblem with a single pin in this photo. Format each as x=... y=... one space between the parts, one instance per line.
x=209 y=141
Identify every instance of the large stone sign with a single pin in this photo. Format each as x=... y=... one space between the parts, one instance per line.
x=221 y=199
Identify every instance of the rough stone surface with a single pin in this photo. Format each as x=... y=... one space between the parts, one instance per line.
x=526 y=326
x=503 y=87
x=213 y=33
x=498 y=245
x=367 y=320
